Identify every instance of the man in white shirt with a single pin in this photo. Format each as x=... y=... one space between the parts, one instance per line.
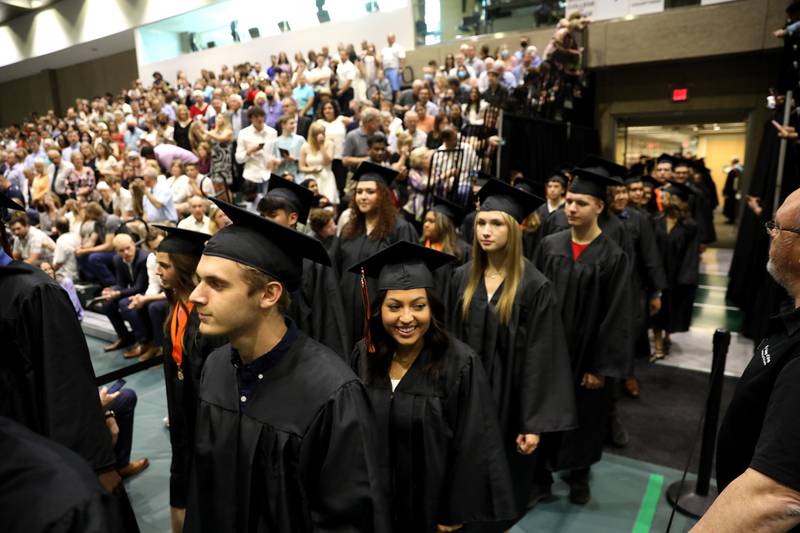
x=121 y=201
x=394 y=59
x=59 y=170
x=411 y=119
x=346 y=73
x=257 y=150
x=31 y=243
x=203 y=184
x=197 y=220
x=65 y=263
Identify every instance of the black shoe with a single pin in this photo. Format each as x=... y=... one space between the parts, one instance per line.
x=579 y=492
x=539 y=493
x=619 y=435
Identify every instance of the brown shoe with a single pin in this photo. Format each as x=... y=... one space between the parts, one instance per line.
x=117 y=344
x=137 y=351
x=133 y=468
x=632 y=387
x=154 y=351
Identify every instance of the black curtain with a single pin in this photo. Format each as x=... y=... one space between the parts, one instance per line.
x=538 y=147
x=750 y=287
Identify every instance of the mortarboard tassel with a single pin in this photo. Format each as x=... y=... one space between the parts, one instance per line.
x=367 y=313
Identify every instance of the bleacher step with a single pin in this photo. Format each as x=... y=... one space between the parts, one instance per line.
x=97 y=325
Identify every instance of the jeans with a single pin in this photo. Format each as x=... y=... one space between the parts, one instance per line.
x=117 y=312
x=123 y=407
x=393 y=75
x=99 y=267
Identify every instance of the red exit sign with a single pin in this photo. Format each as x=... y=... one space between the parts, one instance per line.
x=680 y=95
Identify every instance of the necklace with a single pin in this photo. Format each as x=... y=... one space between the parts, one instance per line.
x=494 y=274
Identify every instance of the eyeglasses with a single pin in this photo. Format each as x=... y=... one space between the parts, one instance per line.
x=773 y=229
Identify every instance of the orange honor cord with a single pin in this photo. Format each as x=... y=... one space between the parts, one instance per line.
x=365 y=298
x=180 y=317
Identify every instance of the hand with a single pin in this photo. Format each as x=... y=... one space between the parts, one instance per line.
x=80 y=251
x=527 y=443
x=441 y=528
x=106 y=398
x=254 y=149
x=110 y=481
x=779 y=33
x=108 y=292
x=113 y=428
x=655 y=305
x=592 y=381
x=136 y=302
x=785 y=132
x=754 y=203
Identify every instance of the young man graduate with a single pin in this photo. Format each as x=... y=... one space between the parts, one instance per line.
x=590 y=276
x=316 y=307
x=285 y=434
x=47 y=382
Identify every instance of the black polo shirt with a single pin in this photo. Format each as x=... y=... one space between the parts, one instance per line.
x=761 y=429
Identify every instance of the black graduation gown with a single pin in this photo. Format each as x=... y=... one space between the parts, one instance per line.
x=45 y=487
x=594 y=299
x=441 y=276
x=300 y=456
x=47 y=382
x=182 y=401
x=647 y=273
x=316 y=307
x=353 y=251
x=440 y=442
x=703 y=214
x=526 y=362
x=468 y=227
x=679 y=250
x=731 y=206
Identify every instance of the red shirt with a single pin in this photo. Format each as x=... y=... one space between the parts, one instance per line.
x=577 y=249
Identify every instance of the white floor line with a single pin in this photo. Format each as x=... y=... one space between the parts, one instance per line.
x=715 y=306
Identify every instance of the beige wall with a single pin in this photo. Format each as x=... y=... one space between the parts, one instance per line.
x=35 y=93
x=718 y=150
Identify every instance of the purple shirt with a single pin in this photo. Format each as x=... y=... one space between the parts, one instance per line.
x=273 y=112
x=167 y=153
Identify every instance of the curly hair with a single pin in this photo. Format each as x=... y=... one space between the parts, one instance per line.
x=387 y=217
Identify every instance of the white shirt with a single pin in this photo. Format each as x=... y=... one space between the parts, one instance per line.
x=153 y=281
x=346 y=71
x=418 y=139
x=122 y=202
x=320 y=77
x=206 y=186
x=64 y=255
x=36 y=242
x=60 y=177
x=180 y=187
x=392 y=56
x=192 y=224
x=255 y=165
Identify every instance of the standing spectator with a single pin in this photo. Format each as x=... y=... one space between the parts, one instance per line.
x=272 y=106
x=65 y=262
x=81 y=179
x=303 y=94
x=495 y=94
x=257 y=150
x=418 y=137
x=182 y=124
x=394 y=60
x=335 y=126
x=355 y=143
x=316 y=156
x=346 y=75
x=59 y=172
x=303 y=123
x=289 y=144
x=425 y=121
x=31 y=244
x=130 y=265
x=16 y=183
x=199 y=105
x=41 y=182
x=132 y=135
x=74 y=145
x=474 y=109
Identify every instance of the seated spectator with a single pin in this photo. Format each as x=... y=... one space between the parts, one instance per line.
x=390 y=124
x=495 y=93
x=202 y=184
x=181 y=186
x=31 y=244
x=474 y=109
x=456 y=166
x=68 y=286
x=119 y=408
x=218 y=219
x=41 y=182
x=106 y=199
x=418 y=137
x=96 y=258
x=16 y=185
x=133 y=134
x=81 y=179
x=49 y=210
x=424 y=97
x=59 y=171
x=130 y=264
x=65 y=262
x=425 y=121
x=157 y=201
x=289 y=145
x=355 y=143
x=121 y=199
x=152 y=306
x=199 y=105
x=434 y=138
x=197 y=219
x=105 y=162
x=418 y=182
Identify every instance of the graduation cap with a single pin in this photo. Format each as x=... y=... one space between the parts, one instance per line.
x=368 y=171
x=593 y=181
x=7 y=203
x=560 y=177
x=401 y=266
x=633 y=177
x=794 y=7
x=529 y=186
x=182 y=241
x=682 y=162
x=666 y=158
x=609 y=168
x=449 y=209
x=497 y=195
x=299 y=197
x=267 y=246
x=482 y=178
x=680 y=190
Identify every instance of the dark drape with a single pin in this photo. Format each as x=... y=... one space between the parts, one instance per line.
x=537 y=147
x=750 y=287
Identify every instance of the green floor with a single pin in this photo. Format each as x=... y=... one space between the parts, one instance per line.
x=710 y=308
x=628 y=495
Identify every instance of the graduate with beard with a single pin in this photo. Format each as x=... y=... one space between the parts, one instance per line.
x=439 y=233
x=373 y=225
x=700 y=204
x=285 y=433
x=316 y=307
x=47 y=382
x=185 y=352
x=505 y=309
x=590 y=275
x=441 y=446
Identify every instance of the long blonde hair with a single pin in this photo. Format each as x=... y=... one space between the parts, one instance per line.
x=514 y=267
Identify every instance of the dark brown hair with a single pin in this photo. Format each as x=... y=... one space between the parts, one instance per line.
x=387 y=215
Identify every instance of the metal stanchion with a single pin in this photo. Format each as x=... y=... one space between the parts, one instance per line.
x=693 y=498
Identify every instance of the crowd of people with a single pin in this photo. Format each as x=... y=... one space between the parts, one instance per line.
x=351 y=341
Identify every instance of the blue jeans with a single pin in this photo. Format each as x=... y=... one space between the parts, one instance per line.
x=117 y=312
x=99 y=267
x=123 y=407
x=393 y=75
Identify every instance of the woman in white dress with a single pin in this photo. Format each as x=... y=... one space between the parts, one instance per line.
x=335 y=126
x=316 y=156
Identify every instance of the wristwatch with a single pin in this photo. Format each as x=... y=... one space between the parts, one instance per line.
x=110 y=414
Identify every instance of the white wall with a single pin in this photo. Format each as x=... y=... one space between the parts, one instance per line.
x=373 y=28
x=72 y=22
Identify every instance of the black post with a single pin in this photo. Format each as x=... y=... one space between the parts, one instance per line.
x=695 y=497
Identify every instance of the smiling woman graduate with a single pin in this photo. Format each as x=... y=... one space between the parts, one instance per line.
x=441 y=446
x=505 y=310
